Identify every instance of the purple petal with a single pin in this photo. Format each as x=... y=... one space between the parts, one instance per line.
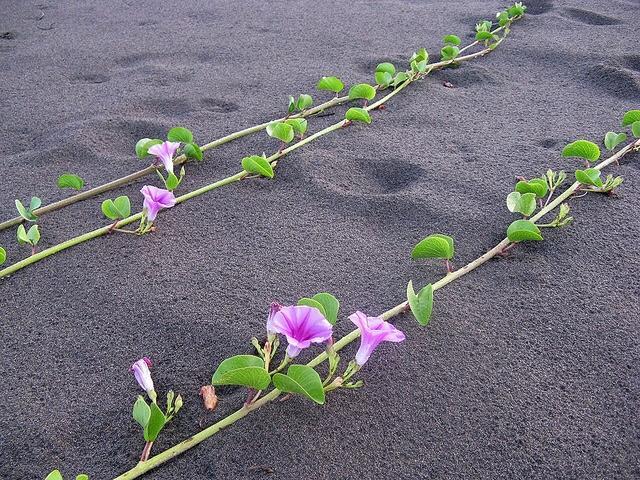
x=301 y=325
x=373 y=331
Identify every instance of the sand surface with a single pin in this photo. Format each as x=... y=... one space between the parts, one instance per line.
x=530 y=366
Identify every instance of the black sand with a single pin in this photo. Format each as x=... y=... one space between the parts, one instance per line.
x=530 y=367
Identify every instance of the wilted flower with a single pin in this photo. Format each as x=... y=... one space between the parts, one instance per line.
x=301 y=325
x=373 y=330
x=155 y=199
x=164 y=152
x=140 y=370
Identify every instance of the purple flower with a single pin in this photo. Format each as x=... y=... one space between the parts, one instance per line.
x=155 y=199
x=142 y=373
x=373 y=330
x=301 y=325
x=164 y=152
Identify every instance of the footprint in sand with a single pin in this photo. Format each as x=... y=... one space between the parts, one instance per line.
x=538 y=7
x=588 y=17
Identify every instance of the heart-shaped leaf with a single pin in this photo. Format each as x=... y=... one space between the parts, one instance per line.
x=180 y=134
x=24 y=212
x=630 y=117
x=449 y=52
x=613 y=139
x=299 y=125
x=419 y=56
x=303 y=380
x=245 y=370
x=141 y=412
x=55 y=475
x=259 y=165
x=155 y=424
x=192 y=150
x=109 y=210
x=356 y=114
x=519 y=203
x=419 y=66
x=330 y=84
x=383 y=79
x=362 y=90
x=635 y=129
x=69 y=180
x=421 y=304
x=582 y=149
x=386 y=67
x=401 y=77
x=310 y=302
x=451 y=40
x=590 y=176
x=144 y=144
x=434 y=246
x=535 y=185
x=122 y=206
x=330 y=304
x=483 y=36
x=522 y=231
x=280 y=130
x=3 y=255
x=34 y=203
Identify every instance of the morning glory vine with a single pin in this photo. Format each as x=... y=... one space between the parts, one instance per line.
x=309 y=323
x=292 y=127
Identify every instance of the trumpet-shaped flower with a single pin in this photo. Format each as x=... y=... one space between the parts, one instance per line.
x=301 y=325
x=373 y=331
x=140 y=370
x=155 y=199
x=164 y=152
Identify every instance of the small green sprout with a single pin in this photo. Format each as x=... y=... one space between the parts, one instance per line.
x=31 y=237
x=304 y=101
x=28 y=212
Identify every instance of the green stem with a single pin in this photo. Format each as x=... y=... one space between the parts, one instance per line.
x=190 y=442
x=236 y=177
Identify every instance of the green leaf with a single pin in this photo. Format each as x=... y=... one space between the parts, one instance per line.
x=33 y=235
x=519 y=203
x=421 y=304
x=434 y=246
x=484 y=26
x=451 y=40
x=141 y=412
x=362 y=90
x=34 y=204
x=299 y=125
x=82 y=476
x=419 y=66
x=582 y=149
x=69 y=180
x=55 y=475
x=280 y=130
x=590 y=176
x=419 y=56
x=292 y=104
x=3 y=255
x=503 y=18
x=171 y=182
x=122 y=206
x=635 y=129
x=331 y=84
x=144 y=144
x=310 y=302
x=516 y=10
x=356 y=114
x=401 y=77
x=180 y=134
x=449 y=52
x=535 y=185
x=21 y=234
x=304 y=102
x=192 y=150
x=24 y=212
x=303 y=380
x=383 y=79
x=386 y=67
x=613 y=139
x=630 y=117
x=331 y=306
x=155 y=424
x=259 y=165
x=246 y=370
x=109 y=210
x=483 y=36
x=522 y=231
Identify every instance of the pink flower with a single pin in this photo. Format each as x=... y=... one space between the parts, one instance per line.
x=155 y=199
x=373 y=331
x=141 y=371
x=164 y=152
x=301 y=325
